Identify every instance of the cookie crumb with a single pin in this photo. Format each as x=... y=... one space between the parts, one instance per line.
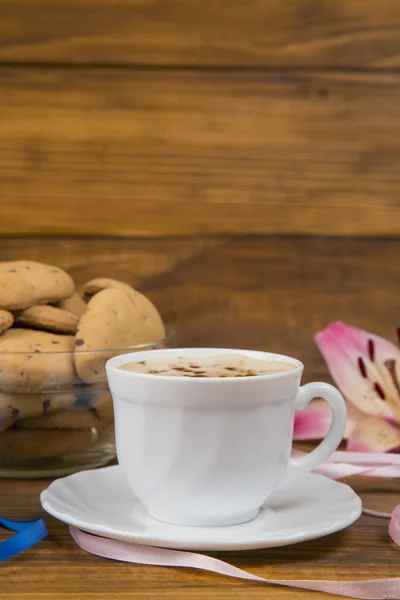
x=46 y=404
x=54 y=342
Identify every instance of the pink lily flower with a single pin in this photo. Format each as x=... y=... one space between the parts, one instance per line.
x=366 y=369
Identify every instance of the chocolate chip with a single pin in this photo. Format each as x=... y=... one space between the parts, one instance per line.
x=79 y=342
x=46 y=404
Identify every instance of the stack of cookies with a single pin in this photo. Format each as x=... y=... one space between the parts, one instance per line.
x=54 y=344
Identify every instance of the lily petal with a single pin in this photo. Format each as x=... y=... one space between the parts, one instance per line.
x=374 y=435
x=313 y=422
x=354 y=416
x=342 y=346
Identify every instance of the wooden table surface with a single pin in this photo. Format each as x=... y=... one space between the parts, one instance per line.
x=57 y=568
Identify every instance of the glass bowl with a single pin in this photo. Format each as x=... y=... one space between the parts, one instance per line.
x=51 y=422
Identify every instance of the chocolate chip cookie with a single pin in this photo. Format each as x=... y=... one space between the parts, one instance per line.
x=6 y=320
x=114 y=318
x=76 y=417
x=47 y=318
x=94 y=286
x=24 y=283
x=35 y=360
x=23 y=406
x=75 y=305
x=44 y=443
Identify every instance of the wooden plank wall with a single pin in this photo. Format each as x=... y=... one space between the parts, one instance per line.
x=239 y=161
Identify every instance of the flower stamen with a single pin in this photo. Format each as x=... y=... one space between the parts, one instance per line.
x=371 y=350
x=379 y=391
x=390 y=364
x=362 y=367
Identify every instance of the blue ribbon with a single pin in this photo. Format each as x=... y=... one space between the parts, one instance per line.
x=28 y=534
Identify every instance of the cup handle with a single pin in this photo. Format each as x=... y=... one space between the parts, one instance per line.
x=336 y=431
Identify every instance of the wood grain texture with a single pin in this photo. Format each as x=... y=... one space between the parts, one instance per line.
x=268 y=293
x=317 y=33
x=152 y=152
x=56 y=568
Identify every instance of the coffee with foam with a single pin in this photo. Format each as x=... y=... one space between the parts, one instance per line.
x=220 y=365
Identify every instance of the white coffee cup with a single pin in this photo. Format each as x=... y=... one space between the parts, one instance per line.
x=210 y=451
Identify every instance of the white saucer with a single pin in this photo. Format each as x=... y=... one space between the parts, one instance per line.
x=101 y=502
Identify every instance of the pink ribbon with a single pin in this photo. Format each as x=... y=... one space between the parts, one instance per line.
x=341 y=464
